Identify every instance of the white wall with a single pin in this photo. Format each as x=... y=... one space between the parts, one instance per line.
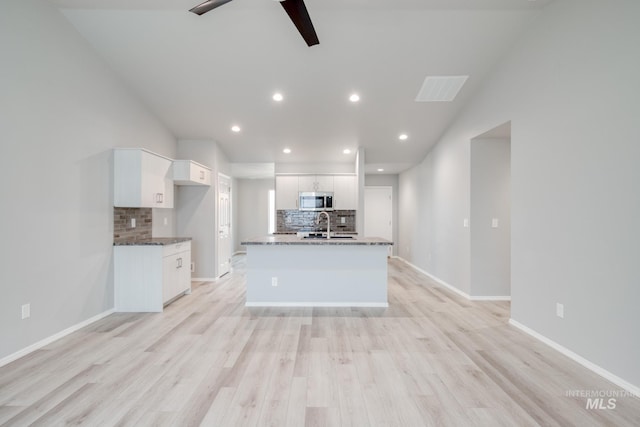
x=570 y=89
x=252 y=208
x=434 y=202
x=197 y=207
x=490 y=270
x=61 y=113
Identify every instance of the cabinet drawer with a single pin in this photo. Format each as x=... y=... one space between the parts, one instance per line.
x=176 y=248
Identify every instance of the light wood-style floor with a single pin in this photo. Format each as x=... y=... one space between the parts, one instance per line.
x=431 y=358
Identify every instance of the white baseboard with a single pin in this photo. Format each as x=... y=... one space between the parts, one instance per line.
x=491 y=298
x=633 y=389
x=33 y=347
x=453 y=288
x=436 y=279
x=318 y=304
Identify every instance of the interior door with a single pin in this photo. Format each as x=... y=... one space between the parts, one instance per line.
x=224 y=224
x=378 y=213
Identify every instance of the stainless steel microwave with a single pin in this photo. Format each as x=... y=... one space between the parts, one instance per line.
x=315 y=201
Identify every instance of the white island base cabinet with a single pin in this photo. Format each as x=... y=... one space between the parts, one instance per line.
x=147 y=277
x=322 y=275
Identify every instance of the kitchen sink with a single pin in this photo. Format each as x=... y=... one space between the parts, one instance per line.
x=313 y=236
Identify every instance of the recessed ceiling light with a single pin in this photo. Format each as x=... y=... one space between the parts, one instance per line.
x=403 y=137
x=380 y=170
x=286 y=150
x=354 y=97
x=277 y=97
x=346 y=151
x=235 y=128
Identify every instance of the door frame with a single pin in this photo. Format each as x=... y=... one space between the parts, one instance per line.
x=219 y=253
x=364 y=218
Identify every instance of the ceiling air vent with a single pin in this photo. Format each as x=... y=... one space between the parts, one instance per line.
x=440 y=88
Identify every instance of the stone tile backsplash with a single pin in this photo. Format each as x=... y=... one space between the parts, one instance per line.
x=292 y=221
x=122 y=230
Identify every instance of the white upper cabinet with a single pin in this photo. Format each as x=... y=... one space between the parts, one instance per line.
x=344 y=192
x=286 y=192
x=142 y=179
x=188 y=172
x=342 y=186
x=315 y=183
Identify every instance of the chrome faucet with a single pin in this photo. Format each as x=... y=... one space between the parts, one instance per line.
x=328 y=222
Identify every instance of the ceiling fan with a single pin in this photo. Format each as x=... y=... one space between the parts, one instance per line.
x=296 y=10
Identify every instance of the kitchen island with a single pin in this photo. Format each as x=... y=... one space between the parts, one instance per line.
x=291 y=271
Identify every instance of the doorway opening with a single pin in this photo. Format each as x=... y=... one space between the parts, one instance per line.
x=378 y=213
x=490 y=232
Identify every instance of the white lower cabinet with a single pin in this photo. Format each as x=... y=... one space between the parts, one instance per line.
x=176 y=270
x=146 y=277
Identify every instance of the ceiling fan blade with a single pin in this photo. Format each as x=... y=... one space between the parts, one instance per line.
x=297 y=11
x=208 y=5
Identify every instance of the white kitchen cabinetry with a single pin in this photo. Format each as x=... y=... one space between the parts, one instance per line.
x=146 y=277
x=315 y=183
x=176 y=270
x=188 y=172
x=286 y=192
x=344 y=192
x=142 y=179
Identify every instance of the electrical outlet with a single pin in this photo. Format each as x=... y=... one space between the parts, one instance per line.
x=343 y=220
x=274 y=281
x=560 y=310
x=465 y=223
x=133 y=223
x=26 y=311
x=166 y=221
x=494 y=223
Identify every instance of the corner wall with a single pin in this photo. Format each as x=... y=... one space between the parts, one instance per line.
x=571 y=91
x=62 y=111
x=197 y=207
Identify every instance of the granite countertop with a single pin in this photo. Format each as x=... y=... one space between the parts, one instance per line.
x=160 y=241
x=292 y=239
x=347 y=233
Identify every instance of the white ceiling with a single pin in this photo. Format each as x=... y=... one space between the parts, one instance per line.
x=202 y=74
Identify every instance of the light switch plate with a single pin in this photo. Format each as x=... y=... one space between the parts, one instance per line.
x=465 y=223
x=26 y=311
x=494 y=223
x=560 y=310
